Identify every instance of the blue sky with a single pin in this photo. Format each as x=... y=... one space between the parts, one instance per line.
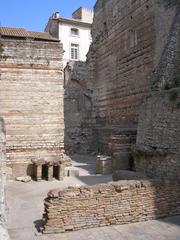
x=33 y=14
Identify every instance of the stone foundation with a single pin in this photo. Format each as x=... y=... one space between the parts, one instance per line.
x=108 y=204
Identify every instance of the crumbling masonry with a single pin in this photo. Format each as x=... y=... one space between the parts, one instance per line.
x=31 y=101
x=133 y=57
x=133 y=84
x=123 y=102
x=3 y=207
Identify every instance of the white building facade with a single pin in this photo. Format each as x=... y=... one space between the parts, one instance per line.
x=74 y=33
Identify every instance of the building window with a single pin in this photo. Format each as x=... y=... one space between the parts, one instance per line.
x=74 y=51
x=74 y=32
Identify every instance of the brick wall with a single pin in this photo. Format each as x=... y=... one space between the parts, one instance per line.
x=157 y=150
x=124 y=39
x=129 y=38
x=31 y=102
x=108 y=204
x=128 y=47
x=128 y=43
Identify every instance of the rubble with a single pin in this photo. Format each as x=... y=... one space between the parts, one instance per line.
x=24 y=179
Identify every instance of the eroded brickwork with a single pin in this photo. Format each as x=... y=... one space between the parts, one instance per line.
x=158 y=140
x=2 y=169
x=129 y=42
x=3 y=232
x=78 y=108
x=31 y=102
x=134 y=73
x=109 y=204
x=124 y=39
x=129 y=38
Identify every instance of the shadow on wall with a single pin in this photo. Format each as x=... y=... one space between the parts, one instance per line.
x=38 y=224
x=31 y=171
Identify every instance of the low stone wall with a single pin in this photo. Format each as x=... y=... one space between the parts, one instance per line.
x=107 y=204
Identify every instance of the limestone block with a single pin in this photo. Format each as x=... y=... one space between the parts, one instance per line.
x=24 y=179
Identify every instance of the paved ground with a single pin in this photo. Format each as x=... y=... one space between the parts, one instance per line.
x=25 y=201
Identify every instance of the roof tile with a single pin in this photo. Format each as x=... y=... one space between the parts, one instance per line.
x=21 y=32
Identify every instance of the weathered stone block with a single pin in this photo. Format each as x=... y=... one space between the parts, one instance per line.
x=103 y=165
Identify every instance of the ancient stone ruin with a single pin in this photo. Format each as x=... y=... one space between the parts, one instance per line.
x=126 y=97
x=122 y=105
x=31 y=99
x=127 y=92
x=114 y=203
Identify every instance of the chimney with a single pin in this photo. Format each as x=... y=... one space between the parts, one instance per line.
x=56 y=15
x=83 y=14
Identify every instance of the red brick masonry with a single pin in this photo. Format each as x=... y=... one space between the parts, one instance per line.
x=107 y=204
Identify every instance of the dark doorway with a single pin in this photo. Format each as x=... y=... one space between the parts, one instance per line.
x=131 y=164
x=44 y=172
x=56 y=172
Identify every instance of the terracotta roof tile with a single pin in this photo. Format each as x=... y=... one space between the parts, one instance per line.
x=23 y=33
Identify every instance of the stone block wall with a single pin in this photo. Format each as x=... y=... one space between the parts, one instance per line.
x=134 y=66
x=2 y=170
x=31 y=102
x=129 y=38
x=124 y=39
x=128 y=47
x=108 y=204
x=78 y=108
x=157 y=150
x=128 y=41
x=3 y=231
